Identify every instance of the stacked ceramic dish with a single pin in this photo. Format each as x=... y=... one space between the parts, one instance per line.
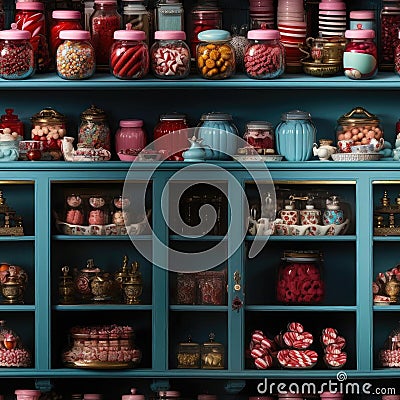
x=290 y=10
x=332 y=18
x=262 y=14
x=293 y=34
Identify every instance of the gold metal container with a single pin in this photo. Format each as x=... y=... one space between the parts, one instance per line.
x=133 y=285
x=212 y=354
x=188 y=355
x=66 y=287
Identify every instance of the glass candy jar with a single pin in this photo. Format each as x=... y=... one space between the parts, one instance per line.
x=129 y=57
x=75 y=57
x=17 y=60
x=215 y=55
x=295 y=136
x=397 y=61
x=135 y=13
x=104 y=21
x=358 y=127
x=264 y=56
x=390 y=22
x=11 y=121
x=260 y=135
x=300 y=278
x=170 y=135
x=98 y=213
x=188 y=355
x=170 y=56
x=389 y=355
x=219 y=134
x=62 y=20
x=120 y=215
x=94 y=130
x=49 y=126
x=74 y=213
x=130 y=137
x=360 y=57
x=169 y=15
x=212 y=354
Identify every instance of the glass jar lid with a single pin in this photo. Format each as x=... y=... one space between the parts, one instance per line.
x=48 y=115
x=169 y=35
x=189 y=344
x=131 y=123
x=172 y=117
x=211 y=342
x=259 y=125
x=14 y=33
x=305 y=255
x=211 y=35
x=216 y=116
x=93 y=113
x=358 y=115
x=66 y=14
x=295 y=115
x=359 y=34
x=76 y=34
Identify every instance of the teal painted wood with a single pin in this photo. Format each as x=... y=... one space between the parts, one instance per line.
x=103 y=307
x=100 y=238
x=191 y=308
x=339 y=238
x=310 y=308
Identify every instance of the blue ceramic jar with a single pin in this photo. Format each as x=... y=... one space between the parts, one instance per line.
x=295 y=136
x=219 y=135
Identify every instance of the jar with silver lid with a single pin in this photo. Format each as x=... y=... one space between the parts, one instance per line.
x=260 y=135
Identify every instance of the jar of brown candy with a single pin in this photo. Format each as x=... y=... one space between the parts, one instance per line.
x=104 y=21
x=17 y=60
x=129 y=57
x=215 y=55
x=264 y=56
x=390 y=22
x=358 y=127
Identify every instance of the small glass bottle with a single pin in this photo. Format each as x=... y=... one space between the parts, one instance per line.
x=170 y=55
x=135 y=13
x=390 y=22
x=104 y=21
x=170 y=135
x=62 y=20
x=17 y=59
x=300 y=279
x=74 y=213
x=130 y=136
x=76 y=45
x=215 y=55
x=264 y=56
x=204 y=15
x=129 y=56
x=360 y=57
x=11 y=121
x=260 y=135
x=94 y=130
x=169 y=15
x=97 y=214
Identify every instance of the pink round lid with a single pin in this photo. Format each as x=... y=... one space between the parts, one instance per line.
x=105 y=1
x=75 y=34
x=170 y=35
x=131 y=123
x=332 y=6
x=360 y=34
x=130 y=34
x=28 y=392
x=263 y=34
x=14 y=33
x=362 y=14
x=66 y=14
x=29 y=5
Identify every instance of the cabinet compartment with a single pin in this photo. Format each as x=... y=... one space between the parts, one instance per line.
x=63 y=321
x=272 y=323
x=386 y=208
x=339 y=271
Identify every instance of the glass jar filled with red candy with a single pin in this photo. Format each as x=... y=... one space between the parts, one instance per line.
x=260 y=135
x=360 y=57
x=62 y=20
x=390 y=22
x=129 y=57
x=30 y=17
x=300 y=278
x=171 y=136
x=17 y=59
x=104 y=21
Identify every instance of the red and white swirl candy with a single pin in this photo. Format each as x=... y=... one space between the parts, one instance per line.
x=335 y=360
x=171 y=61
x=298 y=340
x=260 y=350
x=334 y=356
x=290 y=358
x=329 y=336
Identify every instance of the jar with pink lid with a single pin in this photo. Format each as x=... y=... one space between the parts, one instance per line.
x=17 y=60
x=360 y=57
x=62 y=20
x=129 y=58
x=264 y=56
x=170 y=55
x=130 y=138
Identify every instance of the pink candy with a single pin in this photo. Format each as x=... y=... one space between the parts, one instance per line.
x=263 y=60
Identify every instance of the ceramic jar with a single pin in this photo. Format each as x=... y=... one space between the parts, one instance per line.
x=219 y=134
x=289 y=215
x=362 y=19
x=310 y=215
x=130 y=136
x=333 y=214
x=295 y=136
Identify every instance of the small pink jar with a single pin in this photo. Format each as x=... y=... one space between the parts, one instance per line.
x=130 y=136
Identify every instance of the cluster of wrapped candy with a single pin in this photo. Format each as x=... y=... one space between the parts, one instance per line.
x=333 y=344
x=261 y=350
x=300 y=283
x=171 y=61
x=390 y=358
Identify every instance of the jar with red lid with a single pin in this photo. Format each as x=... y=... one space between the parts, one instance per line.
x=17 y=60
x=300 y=278
x=205 y=15
x=171 y=136
x=62 y=20
x=360 y=57
x=30 y=17
x=11 y=121
x=264 y=56
x=129 y=58
x=104 y=21
x=130 y=137
x=170 y=55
